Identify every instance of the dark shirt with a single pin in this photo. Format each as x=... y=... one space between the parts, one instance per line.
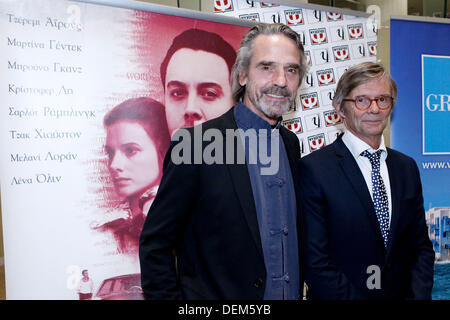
x=275 y=203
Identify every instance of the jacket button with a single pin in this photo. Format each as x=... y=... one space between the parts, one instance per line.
x=258 y=283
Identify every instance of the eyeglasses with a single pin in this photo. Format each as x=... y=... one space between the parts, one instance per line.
x=363 y=102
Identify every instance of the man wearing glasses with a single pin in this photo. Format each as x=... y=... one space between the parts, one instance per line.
x=365 y=236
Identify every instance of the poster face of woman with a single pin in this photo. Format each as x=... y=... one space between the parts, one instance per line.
x=137 y=139
x=130 y=150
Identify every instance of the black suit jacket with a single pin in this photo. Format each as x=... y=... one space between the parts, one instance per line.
x=207 y=214
x=343 y=237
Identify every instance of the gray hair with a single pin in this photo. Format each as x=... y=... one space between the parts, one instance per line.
x=359 y=74
x=245 y=53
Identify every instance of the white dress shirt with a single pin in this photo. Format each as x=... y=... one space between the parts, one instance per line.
x=356 y=146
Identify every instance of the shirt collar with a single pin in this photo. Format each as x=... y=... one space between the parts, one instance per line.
x=247 y=119
x=356 y=145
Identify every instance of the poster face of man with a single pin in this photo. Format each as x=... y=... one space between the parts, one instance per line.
x=197 y=88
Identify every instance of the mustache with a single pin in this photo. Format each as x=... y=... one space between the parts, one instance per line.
x=277 y=91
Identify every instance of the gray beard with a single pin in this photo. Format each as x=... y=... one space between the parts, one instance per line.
x=267 y=108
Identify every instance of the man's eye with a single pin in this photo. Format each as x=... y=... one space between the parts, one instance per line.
x=382 y=99
x=209 y=94
x=292 y=70
x=361 y=99
x=177 y=94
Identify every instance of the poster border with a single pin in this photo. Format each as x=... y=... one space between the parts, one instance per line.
x=310 y=6
x=210 y=16
x=169 y=10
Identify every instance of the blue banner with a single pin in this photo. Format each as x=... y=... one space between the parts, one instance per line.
x=420 y=124
x=436 y=106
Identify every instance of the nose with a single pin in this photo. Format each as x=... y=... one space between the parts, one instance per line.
x=193 y=111
x=373 y=107
x=116 y=162
x=280 y=78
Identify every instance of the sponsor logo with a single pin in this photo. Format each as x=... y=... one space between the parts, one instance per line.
x=302 y=36
x=435 y=104
x=334 y=16
x=309 y=101
x=309 y=80
x=302 y=146
x=372 y=48
x=325 y=77
x=321 y=56
x=318 y=36
x=308 y=58
x=358 y=51
x=313 y=122
x=332 y=118
x=355 y=31
x=294 y=125
x=246 y=4
x=223 y=5
x=250 y=16
x=327 y=96
x=337 y=33
x=372 y=26
x=268 y=5
x=314 y=16
x=272 y=17
x=316 y=142
x=341 y=53
x=294 y=17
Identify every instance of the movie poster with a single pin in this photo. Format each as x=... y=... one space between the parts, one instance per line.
x=89 y=102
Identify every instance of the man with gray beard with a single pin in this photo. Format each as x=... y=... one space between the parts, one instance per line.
x=228 y=230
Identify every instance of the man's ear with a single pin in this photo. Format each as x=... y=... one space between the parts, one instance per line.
x=242 y=78
x=339 y=109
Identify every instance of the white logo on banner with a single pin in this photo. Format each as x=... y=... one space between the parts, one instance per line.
x=294 y=17
x=341 y=53
x=223 y=5
x=327 y=96
x=334 y=16
x=355 y=31
x=246 y=4
x=309 y=101
x=313 y=122
x=321 y=56
x=337 y=34
x=318 y=36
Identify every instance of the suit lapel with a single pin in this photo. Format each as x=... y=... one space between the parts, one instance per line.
x=395 y=198
x=293 y=153
x=241 y=181
x=356 y=179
